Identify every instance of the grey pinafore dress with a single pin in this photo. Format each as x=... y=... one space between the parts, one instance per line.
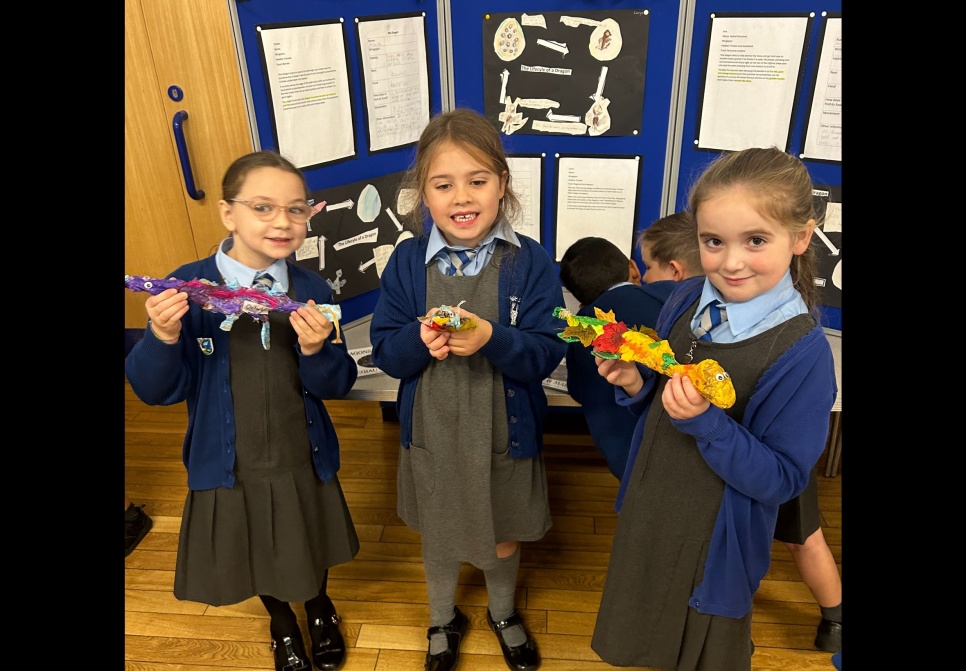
x=279 y=529
x=457 y=483
x=665 y=527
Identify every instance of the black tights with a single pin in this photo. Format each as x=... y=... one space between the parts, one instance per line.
x=283 y=617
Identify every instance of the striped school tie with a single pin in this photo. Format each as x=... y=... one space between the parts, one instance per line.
x=263 y=281
x=458 y=260
x=711 y=316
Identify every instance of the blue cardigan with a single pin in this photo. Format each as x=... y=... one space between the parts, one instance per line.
x=163 y=374
x=524 y=345
x=764 y=460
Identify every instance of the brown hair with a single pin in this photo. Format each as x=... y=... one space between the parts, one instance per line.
x=471 y=132
x=783 y=193
x=673 y=238
x=238 y=171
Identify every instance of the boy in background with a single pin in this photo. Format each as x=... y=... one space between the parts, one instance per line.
x=598 y=274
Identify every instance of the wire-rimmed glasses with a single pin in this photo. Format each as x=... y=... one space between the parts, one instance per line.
x=266 y=210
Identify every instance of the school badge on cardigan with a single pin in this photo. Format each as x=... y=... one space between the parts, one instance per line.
x=206 y=345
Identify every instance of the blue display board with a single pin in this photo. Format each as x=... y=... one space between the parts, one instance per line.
x=471 y=31
x=471 y=23
x=693 y=161
x=363 y=166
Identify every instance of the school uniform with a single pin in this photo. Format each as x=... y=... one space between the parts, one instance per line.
x=265 y=513
x=701 y=496
x=471 y=472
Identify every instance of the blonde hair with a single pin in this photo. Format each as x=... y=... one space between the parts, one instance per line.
x=783 y=193
x=471 y=132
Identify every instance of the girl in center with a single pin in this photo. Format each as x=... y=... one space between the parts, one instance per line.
x=471 y=476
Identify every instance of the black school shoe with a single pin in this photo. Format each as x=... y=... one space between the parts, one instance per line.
x=524 y=657
x=455 y=629
x=290 y=653
x=137 y=524
x=328 y=646
x=829 y=636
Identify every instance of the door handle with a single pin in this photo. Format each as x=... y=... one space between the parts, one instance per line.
x=189 y=181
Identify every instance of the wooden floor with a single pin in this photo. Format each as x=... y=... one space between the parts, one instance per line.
x=381 y=594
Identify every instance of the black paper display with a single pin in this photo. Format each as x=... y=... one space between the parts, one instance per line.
x=350 y=239
x=572 y=73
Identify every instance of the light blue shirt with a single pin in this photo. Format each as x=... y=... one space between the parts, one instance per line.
x=245 y=276
x=754 y=316
x=439 y=249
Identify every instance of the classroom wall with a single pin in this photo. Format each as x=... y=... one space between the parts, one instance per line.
x=676 y=39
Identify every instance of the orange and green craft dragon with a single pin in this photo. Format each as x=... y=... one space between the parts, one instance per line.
x=612 y=339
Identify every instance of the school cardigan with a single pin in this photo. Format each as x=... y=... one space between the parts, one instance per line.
x=764 y=461
x=524 y=345
x=162 y=374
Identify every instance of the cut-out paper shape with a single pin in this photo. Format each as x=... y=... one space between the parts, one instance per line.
x=612 y=339
x=309 y=249
x=233 y=300
x=606 y=42
x=336 y=284
x=367 y=236
x=509 y=42
x=370 y=204
x=569 y=127
x=406 y=201
x=536 y=20
x=597 y=117
x=559 y=47
x=381 y=254
x=512 y=120
x=344 y=205
x=837 y=275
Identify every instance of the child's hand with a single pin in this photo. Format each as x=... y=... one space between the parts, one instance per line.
x=165 y=311
x=435 y=341
x=682 y=400
x=622 y=373
x=312 y=327
x=465 y=343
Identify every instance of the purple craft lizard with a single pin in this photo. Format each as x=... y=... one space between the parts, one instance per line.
x=233 y=300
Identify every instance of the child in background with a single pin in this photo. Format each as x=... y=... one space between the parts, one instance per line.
x=799 y=528
x=471 y=476
x=669 y=249
x=599 y=275
x=693 y=538
x=265 y=514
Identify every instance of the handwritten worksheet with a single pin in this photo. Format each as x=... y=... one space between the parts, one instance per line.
x=396 y=79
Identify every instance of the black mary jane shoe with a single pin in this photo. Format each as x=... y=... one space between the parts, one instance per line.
x=523 y=657
x=290 y=653
x=455 y=629
x=328 y=646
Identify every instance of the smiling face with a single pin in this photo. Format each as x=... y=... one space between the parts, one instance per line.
x=259 y=243
x=743 y=253
x=462 y=195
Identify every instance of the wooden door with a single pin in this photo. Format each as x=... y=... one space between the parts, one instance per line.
x=188 y=44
